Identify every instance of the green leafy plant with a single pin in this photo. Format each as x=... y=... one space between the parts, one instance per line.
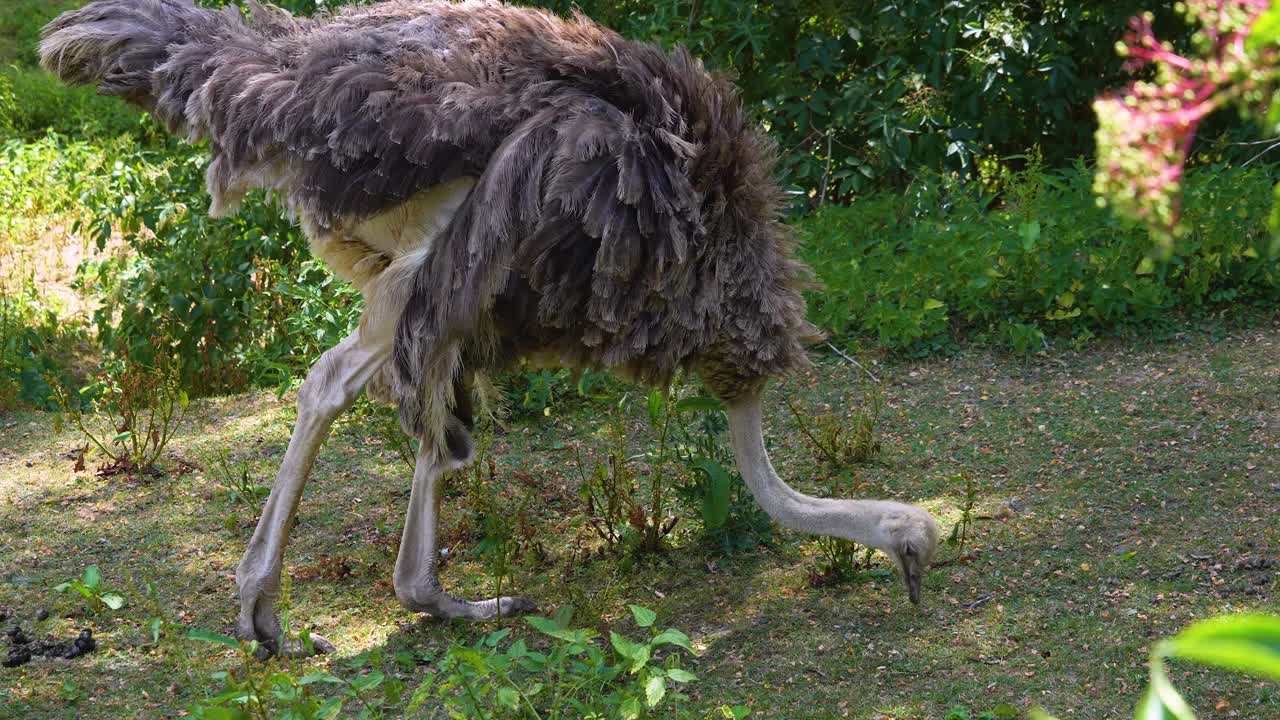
x=619 y=507
x=271 y=689
x=960 y=531
x=1246 y=643
x=574 y=677
x=731 y=518
x=89 y=587
x=239 y=484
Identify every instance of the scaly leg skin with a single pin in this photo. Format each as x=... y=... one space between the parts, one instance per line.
x=416 y=578
x=332 y=385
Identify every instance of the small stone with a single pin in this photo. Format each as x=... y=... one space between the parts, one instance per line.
x=42 y=615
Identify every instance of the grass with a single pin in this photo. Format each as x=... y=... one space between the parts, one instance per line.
x=1120 y=492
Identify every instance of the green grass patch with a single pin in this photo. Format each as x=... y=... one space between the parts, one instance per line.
x=941 y=264
x=1121 y=494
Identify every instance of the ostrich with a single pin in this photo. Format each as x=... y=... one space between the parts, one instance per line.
x=499 y=183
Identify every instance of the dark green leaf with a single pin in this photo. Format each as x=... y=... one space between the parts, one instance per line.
x=644 y=616
x=671 y=636
x=699 y=403
x=212 y=637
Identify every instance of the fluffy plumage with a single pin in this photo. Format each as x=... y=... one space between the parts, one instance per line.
x=623 y=214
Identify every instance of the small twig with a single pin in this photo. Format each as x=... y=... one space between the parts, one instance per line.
x=826 y=174
x=1265 y=150
x=976 y=603
x=1256 y=142
x=986 y=660
x=855 y=363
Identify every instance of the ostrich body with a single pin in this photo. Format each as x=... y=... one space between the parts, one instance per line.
x=499 y=183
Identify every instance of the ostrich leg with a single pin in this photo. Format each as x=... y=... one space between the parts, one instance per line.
x=416 y=577
x=332 y=385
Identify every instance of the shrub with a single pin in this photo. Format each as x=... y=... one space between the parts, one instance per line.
x=237 y=300
x=32 y=348
x=132 y=412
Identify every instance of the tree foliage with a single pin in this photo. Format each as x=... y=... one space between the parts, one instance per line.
x=861 y=95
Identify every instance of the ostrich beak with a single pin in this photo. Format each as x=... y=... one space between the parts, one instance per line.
x=912 y=574
x=913 y=587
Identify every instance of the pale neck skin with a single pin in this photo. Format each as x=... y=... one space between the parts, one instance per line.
x=856 y=520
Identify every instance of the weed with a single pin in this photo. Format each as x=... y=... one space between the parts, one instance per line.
x=538 y=392
x=960 y=531
x=89 y=587
x=618 y=508
x=731 y=518
x=499 y=544
x=239 y=484
x=839 y=560
x=270 y=689
x=134 y=411
x=844 y=441
x=605 y=489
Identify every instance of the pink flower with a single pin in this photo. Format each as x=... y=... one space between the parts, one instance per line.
x=1145 y=132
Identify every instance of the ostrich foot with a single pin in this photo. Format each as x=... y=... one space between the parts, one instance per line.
x=258 y=622
x=440 y=604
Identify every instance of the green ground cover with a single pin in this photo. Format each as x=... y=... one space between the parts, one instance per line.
x=1122 y=493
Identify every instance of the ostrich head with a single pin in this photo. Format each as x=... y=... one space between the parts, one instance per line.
x=911 y=538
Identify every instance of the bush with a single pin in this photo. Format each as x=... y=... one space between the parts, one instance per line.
x=238 y=301
x=861 y=95
x=32 y=348
x=1040 y=260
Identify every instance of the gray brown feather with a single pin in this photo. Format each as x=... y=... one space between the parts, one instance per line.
x=624 y=206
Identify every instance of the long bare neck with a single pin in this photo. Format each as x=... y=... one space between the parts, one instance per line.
x=856 y=520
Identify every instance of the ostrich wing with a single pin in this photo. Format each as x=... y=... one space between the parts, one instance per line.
x=594 y=211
